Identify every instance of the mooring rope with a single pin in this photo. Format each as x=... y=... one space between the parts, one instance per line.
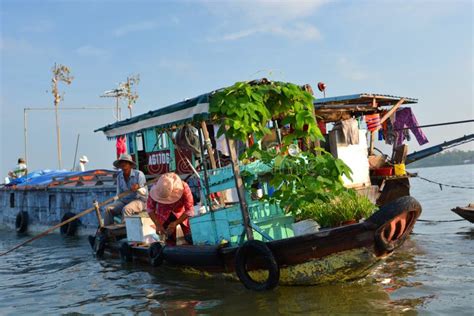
x=441 y=185
x=431 y=221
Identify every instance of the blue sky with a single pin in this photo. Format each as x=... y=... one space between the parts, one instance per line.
x=420 y=49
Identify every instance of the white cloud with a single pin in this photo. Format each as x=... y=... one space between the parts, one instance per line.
x=91 y=51
x=15 y=46
x=175 y=65
x=279 y=18
x=135 y=27
x=350 y=70
x=298 y=31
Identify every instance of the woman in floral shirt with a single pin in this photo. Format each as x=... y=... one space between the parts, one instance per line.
x=170 y=203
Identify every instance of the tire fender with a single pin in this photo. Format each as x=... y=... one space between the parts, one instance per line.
x=21 y=222
x=258 y=249
x=394 y=222
x=69 y=229
x=155 y=254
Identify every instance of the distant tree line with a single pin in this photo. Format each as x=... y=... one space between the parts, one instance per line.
x=448 y=158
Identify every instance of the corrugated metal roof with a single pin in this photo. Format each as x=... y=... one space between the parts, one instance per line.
x=363 y=98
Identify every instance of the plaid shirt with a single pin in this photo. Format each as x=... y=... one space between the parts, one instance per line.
x=184 y=205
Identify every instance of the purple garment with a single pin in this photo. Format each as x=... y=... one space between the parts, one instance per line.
x=406 y=119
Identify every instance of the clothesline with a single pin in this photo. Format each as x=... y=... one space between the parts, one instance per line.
x=437 y=124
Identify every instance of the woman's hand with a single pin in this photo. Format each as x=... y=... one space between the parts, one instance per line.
x=171 y=228
x=160 y=231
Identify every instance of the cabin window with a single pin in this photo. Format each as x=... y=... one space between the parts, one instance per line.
x=139 y=141
x=12 y=200
x=52 y=202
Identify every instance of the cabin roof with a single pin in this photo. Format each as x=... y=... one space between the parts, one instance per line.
x=361 y=99
x=173 y=115
x=197 y=109
x=342 y=107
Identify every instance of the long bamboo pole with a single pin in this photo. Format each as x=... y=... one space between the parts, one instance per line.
x=46 y=232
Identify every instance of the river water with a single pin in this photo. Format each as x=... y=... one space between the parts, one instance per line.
x=432 y=273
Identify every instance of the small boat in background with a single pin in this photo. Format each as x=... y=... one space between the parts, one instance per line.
x=466 y=212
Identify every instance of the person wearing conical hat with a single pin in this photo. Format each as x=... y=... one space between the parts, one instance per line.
x=128 y=179
x=170 y=204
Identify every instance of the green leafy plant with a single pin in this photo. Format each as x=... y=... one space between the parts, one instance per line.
x=347 y=206
x=305 y=182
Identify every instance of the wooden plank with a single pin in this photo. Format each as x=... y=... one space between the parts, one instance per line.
x=210 y=152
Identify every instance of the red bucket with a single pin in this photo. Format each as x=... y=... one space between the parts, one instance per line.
x=383 y=171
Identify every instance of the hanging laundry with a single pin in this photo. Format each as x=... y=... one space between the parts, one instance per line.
x=350 y=131
x=121 y=146
x=373 y=121
x=405 y=118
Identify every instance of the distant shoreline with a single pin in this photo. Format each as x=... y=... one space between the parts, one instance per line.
x=449 y=158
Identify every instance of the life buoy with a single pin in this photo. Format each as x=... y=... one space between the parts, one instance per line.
x=257 y=249
x=69 y=229
x=125 y=250
x=395 y=221
x=21 y=222
x=155 y=254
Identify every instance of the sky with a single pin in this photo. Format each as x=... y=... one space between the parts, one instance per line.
x=181 y=49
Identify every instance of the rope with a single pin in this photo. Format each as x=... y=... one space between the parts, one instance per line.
x=437 y=124
x=445 y=185
x=452 y=220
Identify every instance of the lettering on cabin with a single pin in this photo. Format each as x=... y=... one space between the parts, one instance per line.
x=158 y=162
x=160 y=158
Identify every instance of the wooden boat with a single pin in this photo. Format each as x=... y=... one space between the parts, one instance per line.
x=249 y=239
x=466 y=212
x=333 y=255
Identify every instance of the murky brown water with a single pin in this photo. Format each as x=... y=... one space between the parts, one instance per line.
x=432 y=273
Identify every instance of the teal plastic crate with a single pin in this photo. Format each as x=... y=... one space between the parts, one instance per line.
x=227 y=224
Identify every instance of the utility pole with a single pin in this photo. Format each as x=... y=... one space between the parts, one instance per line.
x=60 y=73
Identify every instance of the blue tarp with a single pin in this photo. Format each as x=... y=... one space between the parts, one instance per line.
x=43 y=177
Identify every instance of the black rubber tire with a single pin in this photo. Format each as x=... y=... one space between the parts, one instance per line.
x=21 y=222
x=389 y=212
x=91 y=240
x=99 y=245
x=126 y=254
x=69 y=229
x=155 y=254
x=261 y=250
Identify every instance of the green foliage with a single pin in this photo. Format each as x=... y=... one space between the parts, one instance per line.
x=306 y=184
x=347 y=206
x=247 y=108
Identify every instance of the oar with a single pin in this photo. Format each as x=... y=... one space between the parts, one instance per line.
x=72 y=219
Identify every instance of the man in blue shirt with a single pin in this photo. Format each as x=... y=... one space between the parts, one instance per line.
x=128 y=179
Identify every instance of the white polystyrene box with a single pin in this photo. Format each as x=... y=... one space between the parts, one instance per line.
x=138 y=227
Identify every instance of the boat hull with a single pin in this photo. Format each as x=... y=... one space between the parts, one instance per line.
x=331 y=255
x=466 y=212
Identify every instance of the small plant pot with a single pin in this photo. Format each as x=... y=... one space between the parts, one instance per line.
x=349 y=222
x=307 y=226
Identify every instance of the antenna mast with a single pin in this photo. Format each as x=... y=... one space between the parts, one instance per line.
x=124 y=90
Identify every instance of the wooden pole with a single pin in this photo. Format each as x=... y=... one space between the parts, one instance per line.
x=46 y=232
x=99 y=216
x=75 y=154
x=240 y=188
x=210 y=152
